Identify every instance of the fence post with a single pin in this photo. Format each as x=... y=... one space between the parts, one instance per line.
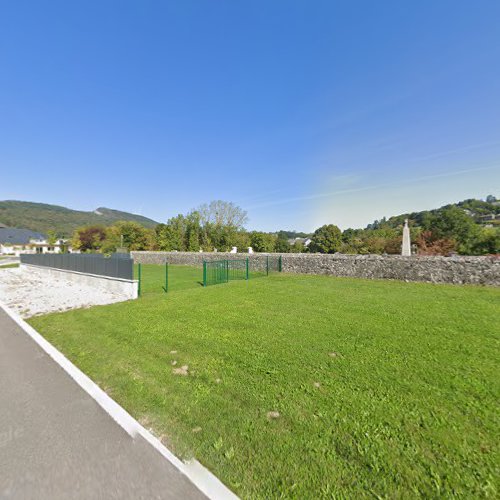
x=166 y=277
x=280 y=264
x=227 y=271
x=204 y=273
x=247 y=269
x=267 y=265
x=140 y=280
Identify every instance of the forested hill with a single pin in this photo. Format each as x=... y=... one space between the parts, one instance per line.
x=42 y=218
x=479 y=211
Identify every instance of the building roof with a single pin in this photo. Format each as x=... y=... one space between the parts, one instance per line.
x=304 y=241
x=14 y=236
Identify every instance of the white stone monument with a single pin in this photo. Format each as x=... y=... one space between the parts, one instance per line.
x=250 y=250
x=406 y=246
x=234 y=250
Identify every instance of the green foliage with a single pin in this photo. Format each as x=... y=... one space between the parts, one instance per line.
x=407 y=408
x=298 y=247
x=89 y=238
x=51 y=237
x=382 y=240
x=486 y=241
x=288 y=235
x=480 y=207
x=213 y=225
x=262 y=242
x=458 y=228
x=450 y=222
x=135 y=237
x=62 y=221
x=172 y=235
x=452 y=228
x=326 y=239
x=282 y=245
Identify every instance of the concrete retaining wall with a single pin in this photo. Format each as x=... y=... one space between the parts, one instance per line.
x=126 y=288
x=455 y=270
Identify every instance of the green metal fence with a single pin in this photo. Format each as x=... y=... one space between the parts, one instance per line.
x=165 y=288
x=216 y=272
x=273 y=264
x=237 y=269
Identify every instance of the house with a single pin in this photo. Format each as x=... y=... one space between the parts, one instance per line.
x=305 y=241
x=487 y=218
x=14 y=241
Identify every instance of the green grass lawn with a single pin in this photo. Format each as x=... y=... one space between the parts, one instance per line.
x=383 y=389
x=9 y=266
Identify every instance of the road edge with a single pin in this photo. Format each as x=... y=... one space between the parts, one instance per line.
x=202 y=478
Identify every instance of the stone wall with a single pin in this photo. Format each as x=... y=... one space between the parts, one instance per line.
x=456 y=270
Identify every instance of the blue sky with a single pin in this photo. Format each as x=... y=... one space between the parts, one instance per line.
x=302 y=112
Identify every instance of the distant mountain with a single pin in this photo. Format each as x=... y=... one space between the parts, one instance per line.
x=42 y=217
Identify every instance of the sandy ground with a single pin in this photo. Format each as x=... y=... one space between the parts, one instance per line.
x=31 y=292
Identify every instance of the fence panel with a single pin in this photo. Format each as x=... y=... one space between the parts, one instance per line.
x=215 y=272
x=84 y=263
x=273 y=264
x=237 y=269
x=222 y=271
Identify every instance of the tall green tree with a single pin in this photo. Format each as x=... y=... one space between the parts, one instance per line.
x=326 y=239
x=453 y=223
x=487 y=241
x=282 y=245
x=172 y=235
x=134 y=236
x=262 y=242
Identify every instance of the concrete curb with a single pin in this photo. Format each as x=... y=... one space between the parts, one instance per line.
x=129 y=289
x=201 y=477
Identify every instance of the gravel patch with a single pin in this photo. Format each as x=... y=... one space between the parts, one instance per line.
x=183 y=370
x=273 y=414
x=31 y=292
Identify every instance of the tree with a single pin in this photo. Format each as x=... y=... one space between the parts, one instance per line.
x=135 y=237
x=172 y=235
x=89 y=238
x=282 y=246
x=490 y=199
x=222 y=214
x=216 y=225
x=428 y=244
x=287 y=235
x=51 y=237
x=193 y=236
x=298 y=247
x=262 y=242
x=241 y=240
x=393 y=245
x=350 y=234
x=486 y=242
x=326 y=239
x=453 y=223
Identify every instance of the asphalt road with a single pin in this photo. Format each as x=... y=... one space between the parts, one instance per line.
x=56 y=442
